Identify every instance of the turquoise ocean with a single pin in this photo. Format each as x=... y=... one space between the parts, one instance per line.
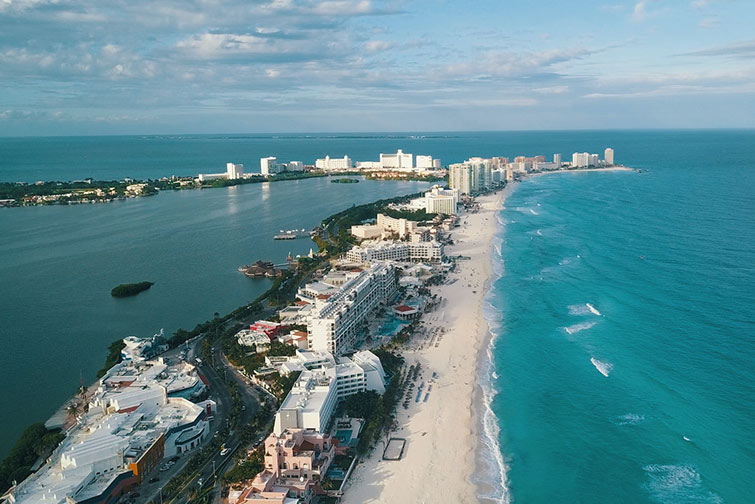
x=647 y=397
x=624 y=331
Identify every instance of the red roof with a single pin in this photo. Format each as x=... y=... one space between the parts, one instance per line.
x=404 y=308
x=323 y=296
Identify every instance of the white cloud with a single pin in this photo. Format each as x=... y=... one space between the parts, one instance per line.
x=709 y=22
x=374 y=46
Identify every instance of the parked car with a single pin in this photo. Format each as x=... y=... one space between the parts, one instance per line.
x=154 y=480
x=223 y=452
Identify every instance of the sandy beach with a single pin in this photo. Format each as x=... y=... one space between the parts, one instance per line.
x=441 y=433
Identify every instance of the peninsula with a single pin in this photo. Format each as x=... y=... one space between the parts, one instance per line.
x=366 y=351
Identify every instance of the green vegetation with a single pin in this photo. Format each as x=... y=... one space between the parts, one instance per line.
x=278 y=349
x=113 y=357
x=132 y=289
x=246 y=468
x=294 y=175
x=378 y=411
x=35 y=442
x=344 y=180
x=412 y=215
x=404 y=176
x=337 y=227
x=58 y=193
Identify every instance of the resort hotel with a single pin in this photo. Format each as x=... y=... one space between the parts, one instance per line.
x=135 y=418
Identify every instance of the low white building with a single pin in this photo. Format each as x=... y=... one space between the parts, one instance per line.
x=334 y=164
x=259 y=340
x=427 y=163
x=131 y=425
x=430 y=251
x=385 y=227
x=233 y=171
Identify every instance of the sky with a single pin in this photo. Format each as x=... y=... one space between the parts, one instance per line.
x=70 y=67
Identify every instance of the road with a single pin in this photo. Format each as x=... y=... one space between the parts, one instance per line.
x=211 y=471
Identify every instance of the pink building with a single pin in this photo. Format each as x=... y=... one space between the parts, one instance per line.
x=295 y=463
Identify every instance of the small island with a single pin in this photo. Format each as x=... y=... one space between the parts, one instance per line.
x=345 y=180
x=132 y=289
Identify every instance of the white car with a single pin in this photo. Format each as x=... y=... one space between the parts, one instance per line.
x=223 y=452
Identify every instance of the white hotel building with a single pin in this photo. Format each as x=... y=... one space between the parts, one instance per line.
x=336 y=323
x=319 y=388
x=334 y=164
x=431 y=251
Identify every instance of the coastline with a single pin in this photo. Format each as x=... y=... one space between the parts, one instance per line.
x=443 y=434
x=452 y=439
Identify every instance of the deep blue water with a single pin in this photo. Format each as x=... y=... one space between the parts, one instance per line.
x=653 y=400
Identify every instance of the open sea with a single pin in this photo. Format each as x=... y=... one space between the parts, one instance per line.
x=624 y=323
x=622 y=367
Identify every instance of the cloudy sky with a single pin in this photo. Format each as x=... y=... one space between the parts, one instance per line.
x=200 y=66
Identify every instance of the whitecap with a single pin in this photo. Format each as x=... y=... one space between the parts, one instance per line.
x=575 y=328
x=578 y=309
x=592 y=309
x=604 y=368
x=677 y=483
x=539 y=233
x=629 y=419
x=533 y=212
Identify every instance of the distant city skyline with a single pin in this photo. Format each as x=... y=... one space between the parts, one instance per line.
x=199 y=66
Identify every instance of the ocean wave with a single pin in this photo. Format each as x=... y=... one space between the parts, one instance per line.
x=578 y=309
x=604 y=368
x=629 y=419
x=592 y=309
x=575 y=328
x=677 y=483
x=493 y=475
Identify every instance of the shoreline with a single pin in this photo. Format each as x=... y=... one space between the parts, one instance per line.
x=452 y=446
x=443 y=434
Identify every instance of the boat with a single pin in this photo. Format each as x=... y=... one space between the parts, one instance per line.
x=291 y=234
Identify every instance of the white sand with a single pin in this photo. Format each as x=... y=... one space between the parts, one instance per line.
x=441 y=433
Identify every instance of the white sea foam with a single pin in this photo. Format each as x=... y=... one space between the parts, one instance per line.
x=629 y=419
x=494 y=478
x=533 y=212
x=592 y=309
x=605 y=368
x=575 y=328
x=539 y=233
x=677 y=483
x=578 y=309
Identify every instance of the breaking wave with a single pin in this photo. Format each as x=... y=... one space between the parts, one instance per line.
x=677 y=483
x=605 y=368
x=575 y=328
